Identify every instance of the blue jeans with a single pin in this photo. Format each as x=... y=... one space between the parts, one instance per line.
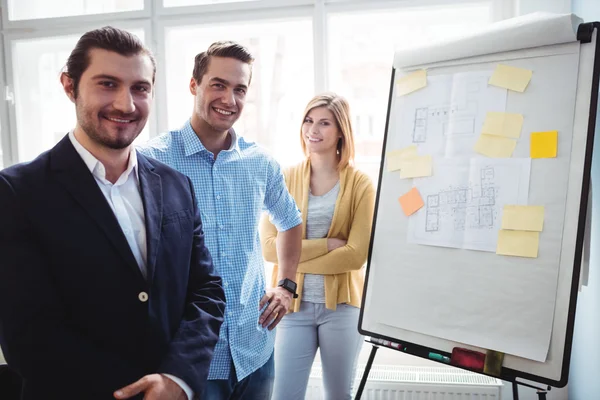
x=256 y=386
x=299 y=335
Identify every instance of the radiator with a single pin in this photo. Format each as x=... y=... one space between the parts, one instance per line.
x=388 y=382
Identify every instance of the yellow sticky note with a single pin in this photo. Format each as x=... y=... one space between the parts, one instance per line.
x=518 y=243
x=503 y=124
x=523 y=218
x=512 y=78
x=395 y=158
x=411 y=201
x=405 y=152
x=416 y=167
x=411 y=82
x=544 y=144
x=495 y=146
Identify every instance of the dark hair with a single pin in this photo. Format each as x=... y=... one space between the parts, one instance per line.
x=221 y=49
x=106 y=38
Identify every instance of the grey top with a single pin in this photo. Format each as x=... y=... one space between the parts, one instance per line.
x=318 y=221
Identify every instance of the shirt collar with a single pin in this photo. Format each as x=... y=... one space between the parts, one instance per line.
x=193 y=145
x=97 y=168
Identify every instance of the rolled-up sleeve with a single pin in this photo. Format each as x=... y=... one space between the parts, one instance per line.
x=279 y=203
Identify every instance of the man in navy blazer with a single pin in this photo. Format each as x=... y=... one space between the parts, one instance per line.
x=106 y=287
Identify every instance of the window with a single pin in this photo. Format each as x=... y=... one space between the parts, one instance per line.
x=359 y=38
x=44 y=114
x=282 y=78
x=1 y=154
x=36 y=9
x=361 y=50
x=180 y=3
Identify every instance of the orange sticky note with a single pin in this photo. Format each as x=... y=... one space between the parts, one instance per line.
x=411 y=201
x=543 y=144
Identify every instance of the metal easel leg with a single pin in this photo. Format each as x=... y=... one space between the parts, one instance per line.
x=363 y=381
x=540 y=392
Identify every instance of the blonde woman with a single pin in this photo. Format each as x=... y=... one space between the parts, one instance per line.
x=336 y=201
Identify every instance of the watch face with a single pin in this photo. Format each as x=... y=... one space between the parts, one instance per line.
x=288 y=284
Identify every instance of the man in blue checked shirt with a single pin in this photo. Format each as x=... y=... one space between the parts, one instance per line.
x=234 y=182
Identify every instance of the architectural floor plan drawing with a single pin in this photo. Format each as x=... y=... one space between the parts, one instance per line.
x=447 y=119
x=464 y=200
x=451 y=124
x=471 y=206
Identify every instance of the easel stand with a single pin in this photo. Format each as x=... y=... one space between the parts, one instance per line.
x=515 y=385
x=363 y=381
x=540 y=392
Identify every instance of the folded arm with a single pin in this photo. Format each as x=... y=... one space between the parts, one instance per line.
x=353 y=255
x=311 y=248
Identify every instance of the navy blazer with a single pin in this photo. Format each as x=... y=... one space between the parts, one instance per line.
x=75 y=321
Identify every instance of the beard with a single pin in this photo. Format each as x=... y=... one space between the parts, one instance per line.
x=91 y=123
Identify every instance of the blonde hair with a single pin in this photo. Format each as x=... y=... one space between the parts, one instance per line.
x=340 y=109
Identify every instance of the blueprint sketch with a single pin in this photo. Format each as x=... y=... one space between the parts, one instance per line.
x=446 y=117
x=464 y=201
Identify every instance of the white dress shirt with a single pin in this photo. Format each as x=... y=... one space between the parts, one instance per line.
x=125 y=200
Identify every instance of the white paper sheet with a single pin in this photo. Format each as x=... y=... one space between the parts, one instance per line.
x=445 y=297
x=464 y=200
x=446 y=117
x=527 y=31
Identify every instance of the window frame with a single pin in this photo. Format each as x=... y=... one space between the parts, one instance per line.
x=233 y=7
x=155 y=19
x=9 y=83
x=51 y=23
x=8 y=145
x=163 y=25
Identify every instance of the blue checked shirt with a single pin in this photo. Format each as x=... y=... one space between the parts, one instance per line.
x=232 y=192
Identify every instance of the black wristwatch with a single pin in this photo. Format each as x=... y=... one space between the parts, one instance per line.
x=288 y=285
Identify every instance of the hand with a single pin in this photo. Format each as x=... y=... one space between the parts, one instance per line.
x=334 y=243
x=279 y=300
x=154 y=387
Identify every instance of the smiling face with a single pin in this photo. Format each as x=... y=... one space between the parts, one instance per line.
x=320 y=131
x=114 y=97
x=221 y=94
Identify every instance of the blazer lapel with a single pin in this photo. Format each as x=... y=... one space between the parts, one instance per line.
x=71 y=172
x=152 y=196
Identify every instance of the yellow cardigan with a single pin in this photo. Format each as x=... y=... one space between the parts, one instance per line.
x=352 y=219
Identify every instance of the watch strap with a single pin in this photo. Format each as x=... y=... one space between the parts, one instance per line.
x=289 y=285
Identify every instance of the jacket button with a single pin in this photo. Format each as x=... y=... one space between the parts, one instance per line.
x=143 y=296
